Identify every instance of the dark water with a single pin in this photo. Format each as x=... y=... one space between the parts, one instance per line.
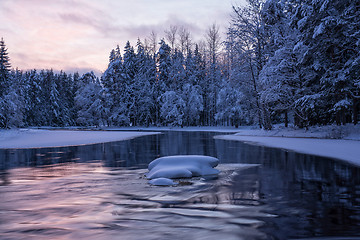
x=99 y=192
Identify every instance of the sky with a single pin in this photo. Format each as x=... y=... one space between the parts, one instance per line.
x=78 y=35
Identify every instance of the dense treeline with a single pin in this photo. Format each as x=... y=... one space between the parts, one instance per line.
x=297 y=58
x=284 y=61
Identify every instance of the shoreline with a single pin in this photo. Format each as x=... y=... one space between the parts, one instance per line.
x=36 y=138
x=340 y=149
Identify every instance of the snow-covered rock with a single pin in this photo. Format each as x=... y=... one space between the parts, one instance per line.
x=162 y=182
x=182 y=166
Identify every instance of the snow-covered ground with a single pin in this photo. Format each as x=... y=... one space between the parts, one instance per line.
x=349 y=132
x=34 y=138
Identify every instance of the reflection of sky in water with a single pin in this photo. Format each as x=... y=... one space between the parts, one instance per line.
x=70 y=192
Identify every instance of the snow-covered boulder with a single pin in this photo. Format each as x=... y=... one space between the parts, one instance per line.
x=162 y=182
x=182 y=166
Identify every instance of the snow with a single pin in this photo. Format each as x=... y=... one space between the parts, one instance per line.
x=348 y=132
x=162 y=182
x=33 y=138
x=182 y=166
x=347 y=150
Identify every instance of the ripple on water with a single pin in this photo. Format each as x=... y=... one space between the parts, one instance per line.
x=120 y=204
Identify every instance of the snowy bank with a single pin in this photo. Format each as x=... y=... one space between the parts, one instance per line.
x=347 y=150
x=182 y=166
x=349 y=132
x=31 y=138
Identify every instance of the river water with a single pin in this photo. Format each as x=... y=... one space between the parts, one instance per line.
x=99 y=192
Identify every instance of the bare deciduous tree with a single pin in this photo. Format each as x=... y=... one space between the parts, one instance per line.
x=184 y=40
x=170 y=36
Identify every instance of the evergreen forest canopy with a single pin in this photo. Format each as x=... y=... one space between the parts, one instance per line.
x=283 y=61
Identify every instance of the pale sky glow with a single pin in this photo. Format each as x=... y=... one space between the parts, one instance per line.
x=79 y=34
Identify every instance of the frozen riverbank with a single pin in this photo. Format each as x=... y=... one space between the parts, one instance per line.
x=347 y=150
x=33 y=138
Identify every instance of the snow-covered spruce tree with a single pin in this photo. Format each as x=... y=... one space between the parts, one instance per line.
x=177 y=74
x=88 y=102
x=229 y=111
x=67 y=90
x=143 y=89
x=4 y=67
x=113 y=81
x=54 y=101
x=191 y=92
x=129 y=95
x=163 y=83
x=172 y=109
x=193 y=104
x=4 y=83
x=329 y=50
x=32 y=98
x=164 y=65
x=14 y=101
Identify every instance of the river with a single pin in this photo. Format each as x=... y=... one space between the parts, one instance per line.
x=99 y=192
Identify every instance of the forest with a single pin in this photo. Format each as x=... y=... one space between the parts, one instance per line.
x=283 y=61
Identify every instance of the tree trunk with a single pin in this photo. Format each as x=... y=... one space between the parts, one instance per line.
x=337 y=119
x=343 y=117
x=286 y=119
x=355 y=111
x=266 y=120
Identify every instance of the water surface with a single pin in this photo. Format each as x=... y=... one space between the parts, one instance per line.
x=99 y=192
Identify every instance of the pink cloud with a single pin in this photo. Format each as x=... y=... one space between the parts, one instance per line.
x=65 y=34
